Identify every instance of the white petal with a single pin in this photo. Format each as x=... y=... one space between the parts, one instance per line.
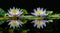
x=34 y=25
x=34 y=14
x=32 y=21
x=44 y=10
x=44 y=20
x=34 y=10
x=13 y=27
x=13 y=7
x=17 y=26
x=20 y=24
x=38 y=8
x=42 y=26
x=10 y=9
x=41 y=9
x=9 y=23
x=10 y=15
x=38 y=27
x=10 y=26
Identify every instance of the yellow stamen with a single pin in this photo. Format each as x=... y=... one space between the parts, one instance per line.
x=15 y=23
x=39 y=23
x=14 y=12
x=39 y=12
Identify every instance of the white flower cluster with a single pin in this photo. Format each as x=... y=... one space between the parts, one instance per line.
x=39 y=12
x=14 y=13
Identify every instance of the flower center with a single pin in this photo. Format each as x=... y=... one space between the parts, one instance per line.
x=39 y=12
x=14 y=12
x=15 y=23
x=39 y=23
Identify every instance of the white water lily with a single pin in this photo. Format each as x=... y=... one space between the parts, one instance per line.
x=14 y=12
x=15 y=23
x=39 y=23
x=39 y=12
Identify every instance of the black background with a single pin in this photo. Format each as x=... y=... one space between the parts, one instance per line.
x=29 y=5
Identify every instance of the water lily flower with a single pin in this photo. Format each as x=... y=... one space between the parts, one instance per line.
x=14 y=12
x=39 y=23
x=39 y=12
x=15 y=23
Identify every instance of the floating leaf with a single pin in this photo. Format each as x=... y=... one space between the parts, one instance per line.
x=50 y=20
x=24 y=21
x=11 y=30
x=24 y=11
x=25 y=31
x=2 y=12
x=30 y=17
x=1 y=22
x=49 y=12
x=55 y=15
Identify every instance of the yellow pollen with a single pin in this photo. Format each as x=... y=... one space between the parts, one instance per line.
x=14 y=12
x=39 y=23
x=15 y=23
x=39 y=12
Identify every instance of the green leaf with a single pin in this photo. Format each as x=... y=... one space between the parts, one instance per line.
x=49 y=12
x=11 y=30
x=1 y=22
x=2 y=12
x=24 y=11
x=24 y=21
x=30 y=17
x=25 y=31
x=50 y=20
x=55 y=15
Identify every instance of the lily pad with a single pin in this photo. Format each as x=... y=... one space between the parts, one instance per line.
x=49 y=12
x=2 y=12
x=24 y=11
x=1 y=22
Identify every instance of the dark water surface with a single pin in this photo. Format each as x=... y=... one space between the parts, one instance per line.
x=29 y=5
